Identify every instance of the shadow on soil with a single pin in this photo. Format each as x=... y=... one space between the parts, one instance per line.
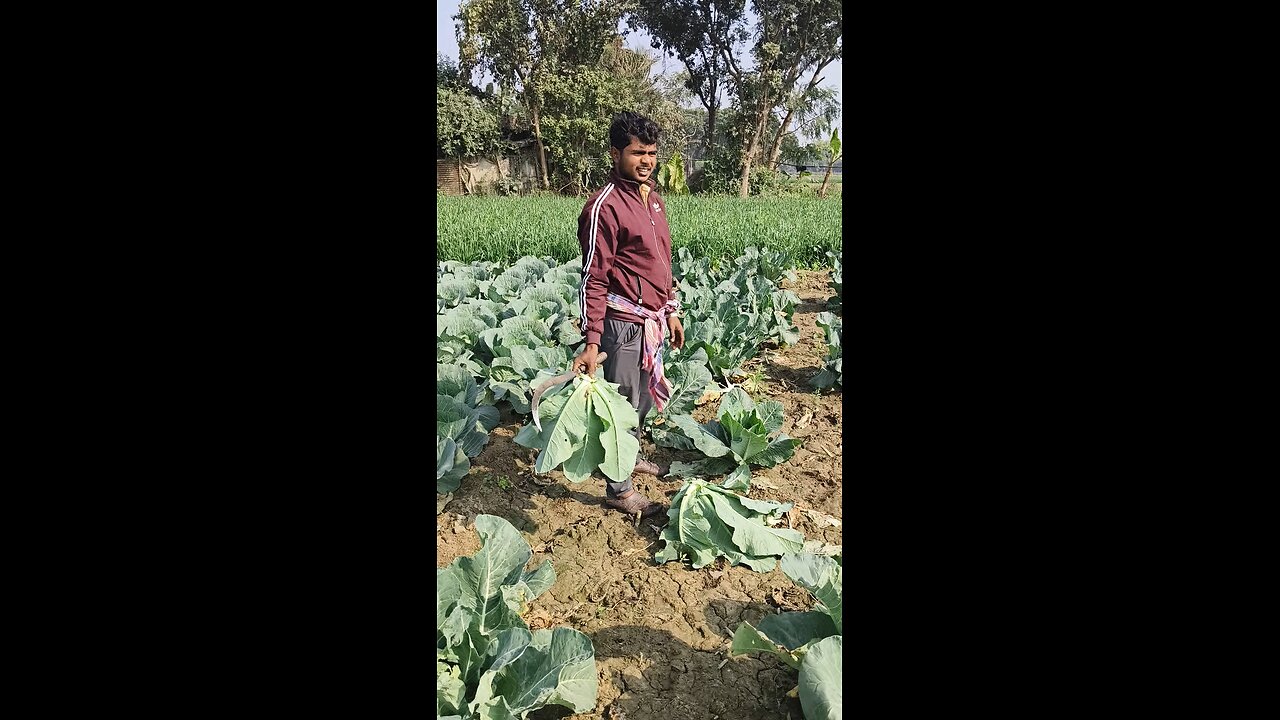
x=796 y=378
x=811 y=306
x=652 y=675
x=724 y=616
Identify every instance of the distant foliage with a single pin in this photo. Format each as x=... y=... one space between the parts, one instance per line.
x=466 y=125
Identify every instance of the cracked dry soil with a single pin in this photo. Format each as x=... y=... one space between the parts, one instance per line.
x=661 y=632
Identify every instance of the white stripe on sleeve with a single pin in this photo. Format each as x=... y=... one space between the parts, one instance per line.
x=591 y=253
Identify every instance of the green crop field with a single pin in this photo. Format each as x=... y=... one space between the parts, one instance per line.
x=504 y=229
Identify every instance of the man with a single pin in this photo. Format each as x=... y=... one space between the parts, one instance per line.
x=627 y=294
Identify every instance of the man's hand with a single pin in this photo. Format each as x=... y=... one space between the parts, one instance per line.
x=677 y=331
x=586 y=361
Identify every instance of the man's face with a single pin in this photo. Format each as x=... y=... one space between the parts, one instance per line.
x=635 y=161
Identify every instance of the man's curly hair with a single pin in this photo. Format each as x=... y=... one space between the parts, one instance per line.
x=626 y=124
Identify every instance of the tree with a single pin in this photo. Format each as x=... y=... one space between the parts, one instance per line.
x=794 y=37
x=658 y=101
x=813 y=110
x=524 y=44
x=701 y=33
x=467 y=122
x=580 y=102
x=465 y=125
x=447 y=73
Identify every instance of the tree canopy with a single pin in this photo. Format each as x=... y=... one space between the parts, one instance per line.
x=561 y=73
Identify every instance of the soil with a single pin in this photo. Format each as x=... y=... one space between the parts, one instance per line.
x=661 y=632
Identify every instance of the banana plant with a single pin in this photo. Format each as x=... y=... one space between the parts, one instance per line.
x=832 y=151
x=671 y=176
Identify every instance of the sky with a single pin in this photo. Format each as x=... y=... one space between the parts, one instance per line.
x=447 y=44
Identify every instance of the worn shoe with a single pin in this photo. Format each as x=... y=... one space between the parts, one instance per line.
x=645 y=466
x=632 y=502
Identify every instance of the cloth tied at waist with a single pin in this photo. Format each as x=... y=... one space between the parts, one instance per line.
x=654 y=339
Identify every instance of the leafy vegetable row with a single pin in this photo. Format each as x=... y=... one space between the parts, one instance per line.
x=832 y=372
x=489 y=666
x=509 y=328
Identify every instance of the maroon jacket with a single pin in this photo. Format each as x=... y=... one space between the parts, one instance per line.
x=626 y=250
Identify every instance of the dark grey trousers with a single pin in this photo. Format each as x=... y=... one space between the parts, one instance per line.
x=624 y=342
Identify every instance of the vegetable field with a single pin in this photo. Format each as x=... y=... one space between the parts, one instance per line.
x=504 y=229
x=550 y=604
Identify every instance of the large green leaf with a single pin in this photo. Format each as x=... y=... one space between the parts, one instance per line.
x=454 y=381
x=460 y=643
x=821 y=680
x=738 y=479
x=706 y=522
x=755 y=538
x=524 y=360
x=619 y=420
x=745 y=441
x=786 y=331
x=448 y=591
x=821 y=575
x=703 y=435
x=570 y=428
x=556 y=668
x=451 y=465
x=454 y=291
x=482 y=644
x=467 y=426
x=489 y=417
x=556 y=358
x=689 y=378
x=450 y=689
x=780 y=450
x=823 y=379
x=568 y=334
x=549 y=408
x=495 y=708
x=671 y=438
x=736 y=402
x=585 y=428
x=768 y=510
x=499 y=562
x=507 y=646
x=589 y=453
x=794 y=630
x=539 y=580
x=701 y=535
x=770 y=412
x=451 y=416
x=748 y=639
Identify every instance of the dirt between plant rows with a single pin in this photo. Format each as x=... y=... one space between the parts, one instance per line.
x=661 y=632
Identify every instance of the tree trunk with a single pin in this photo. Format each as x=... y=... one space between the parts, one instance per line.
x=752 y=144
x=822 y=191
x=775 y=152
x=542 y=150
x=709 y=140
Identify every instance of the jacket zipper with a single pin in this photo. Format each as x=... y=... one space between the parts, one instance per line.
x=653 y=231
